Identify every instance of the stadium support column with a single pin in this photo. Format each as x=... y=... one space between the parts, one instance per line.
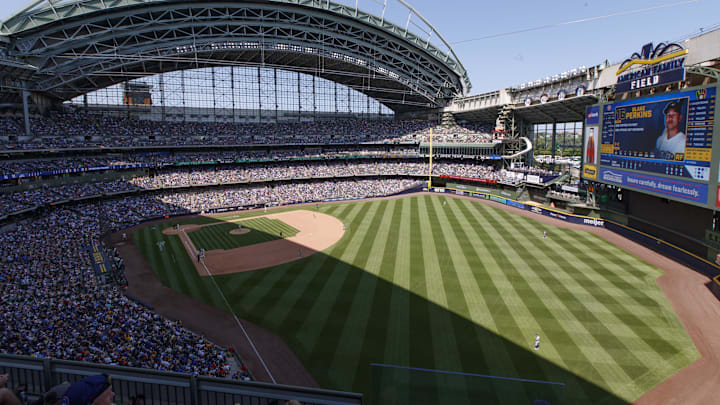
x=214 y=94
x=337 y=109
x=26 y=109
x=161 y=78
x=277 y=106
x=259 y=83
x=552 y=151
x=182 y=90
x=232 y=91
x=431 y=156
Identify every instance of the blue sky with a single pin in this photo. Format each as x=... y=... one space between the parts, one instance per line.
x=508 y=60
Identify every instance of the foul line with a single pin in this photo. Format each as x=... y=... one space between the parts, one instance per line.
x=192 y=245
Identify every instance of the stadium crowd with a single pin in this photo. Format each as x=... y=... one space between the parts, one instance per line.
x=135 y=208
x=87 y=130
x=186 y=176
x=53 y=307
x=160 y=159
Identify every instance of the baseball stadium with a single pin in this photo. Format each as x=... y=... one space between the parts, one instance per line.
x=276 y=202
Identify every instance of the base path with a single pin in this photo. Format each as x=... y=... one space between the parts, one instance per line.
x=316 y=232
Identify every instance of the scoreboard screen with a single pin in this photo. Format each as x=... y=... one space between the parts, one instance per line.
x=669 y=134
x=661 y=145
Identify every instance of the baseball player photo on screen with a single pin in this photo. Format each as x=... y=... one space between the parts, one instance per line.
x=671 y=142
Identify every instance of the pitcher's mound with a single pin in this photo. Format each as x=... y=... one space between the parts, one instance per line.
x=239 y=231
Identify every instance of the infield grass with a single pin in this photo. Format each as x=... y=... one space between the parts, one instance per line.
x=460 y=287
x=261 y=230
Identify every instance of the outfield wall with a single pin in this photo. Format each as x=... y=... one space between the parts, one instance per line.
x=715 y=286
x=670 y=250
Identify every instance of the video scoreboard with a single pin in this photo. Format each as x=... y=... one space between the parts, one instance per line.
x=633 y=131
x=659 y=144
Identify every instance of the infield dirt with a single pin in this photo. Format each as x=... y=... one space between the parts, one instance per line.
x=317 y=232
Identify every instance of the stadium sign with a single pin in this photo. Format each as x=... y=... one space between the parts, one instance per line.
x=671 y=188
x=653 y=66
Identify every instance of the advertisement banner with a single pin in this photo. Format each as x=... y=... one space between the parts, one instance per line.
x=72 y=170
x=533 y=178
x=98 y=259
x=515 y=204
x=591 y=146
x=650 y=80
x=486 y=181
x=470 y=188
x=654 y=65
x=672 y=188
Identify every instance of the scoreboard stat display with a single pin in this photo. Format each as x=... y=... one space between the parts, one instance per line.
x=631 y=131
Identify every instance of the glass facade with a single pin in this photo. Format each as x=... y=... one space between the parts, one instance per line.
x=241 y=88
x=568 y=138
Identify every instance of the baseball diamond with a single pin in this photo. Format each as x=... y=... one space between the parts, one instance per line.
x=411 y=267
x=303 y=202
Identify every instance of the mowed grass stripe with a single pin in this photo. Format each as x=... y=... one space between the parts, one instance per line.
x=184 y=274
x=528 y=310
x=293 y=300
x=639 y=271
x=481 y=350
x=437 y=264
x=364 y=337
x=312 y=326
x=648 y=301
x=217 y=236
x=341 y=314
x=547 y=304
x=455 y=313
x=215 y=240
x=516 y=324
x=290 y=305
x=254 y=297
x=638 y=335
x=587 y=307
x=477 y=284
x=618 y=270
x=620 y=329
x=655 y=344
x=339 y=247
x=173 y=265
x=398 y=328
x=289 y=314
x=601 y=274
x=421 y=338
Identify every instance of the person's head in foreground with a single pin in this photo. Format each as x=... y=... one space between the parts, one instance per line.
x=95 y=390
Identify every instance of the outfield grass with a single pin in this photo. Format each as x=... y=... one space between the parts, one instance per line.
x=462 y=287
x=261 y=230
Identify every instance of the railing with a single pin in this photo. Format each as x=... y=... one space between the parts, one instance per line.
x=159 y=387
